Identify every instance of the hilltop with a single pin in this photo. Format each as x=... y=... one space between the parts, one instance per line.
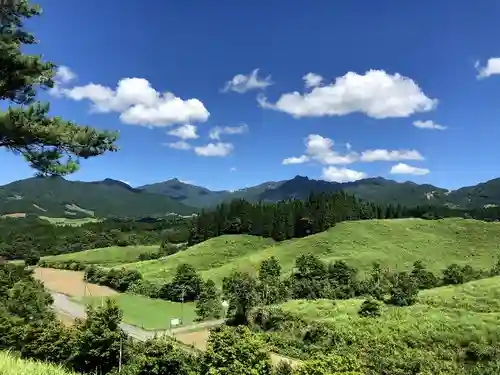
x=58 y=197
x=395 y=243
x=378 y=190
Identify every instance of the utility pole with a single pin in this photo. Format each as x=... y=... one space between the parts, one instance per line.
x=120 y=362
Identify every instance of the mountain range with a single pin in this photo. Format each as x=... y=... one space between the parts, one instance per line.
x=58 y=197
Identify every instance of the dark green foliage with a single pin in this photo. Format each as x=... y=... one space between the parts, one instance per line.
x=119 y=279
x=32 y=259
x=235 y=351
x=186 y=285
x=454 y=274
x=98 y=339
x=51 y=145
x=271 y=288
x=379 y=282
x=26 y=236
x=240 y=289
x=404 y=290
x=209 y=304
x=424 y=279
x=370 y=308
x=158 y=356
x=283 y=368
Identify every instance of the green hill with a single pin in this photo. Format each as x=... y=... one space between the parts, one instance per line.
x=395 y=243
x=57 y=197
x=207 y=255
x=106 y=257
x=445 y=324
x=10 y=365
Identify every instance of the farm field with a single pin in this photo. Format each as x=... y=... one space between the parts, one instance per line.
x=149 y=313
x=69 y=221
x=106 y=256
x=204 y=256
x=394 y=243
x=434 y=328
x=70 y=283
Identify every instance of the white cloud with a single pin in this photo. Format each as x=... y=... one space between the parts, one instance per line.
x=179 y=145
x=402 y=168
x=64 y=74
x=492 y=67
x=312 y=80
x=186 y=131
x=295 y=160
x=139 y=103
x=321 y=149
x=232 y=169
x=428 y=124
x=216 y=132
x=386 y=155
x=242 y=83
x=214 y=149
x=348 y=146
x=341 y=174
x=376 y=93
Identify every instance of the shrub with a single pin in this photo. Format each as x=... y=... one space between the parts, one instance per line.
x=370 y=308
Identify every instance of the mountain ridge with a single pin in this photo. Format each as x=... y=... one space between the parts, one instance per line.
x=58 y=197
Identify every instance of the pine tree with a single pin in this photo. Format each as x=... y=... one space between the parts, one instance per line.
x=51 y=145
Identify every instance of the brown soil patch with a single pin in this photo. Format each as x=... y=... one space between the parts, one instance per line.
x=70 y=283
x=198 y=339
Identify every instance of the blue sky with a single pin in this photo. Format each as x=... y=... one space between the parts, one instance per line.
x=340 y=89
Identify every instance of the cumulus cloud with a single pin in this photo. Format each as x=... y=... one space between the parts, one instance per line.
x=186 y=131
x=139 y=103
x=232 y=169
x=376 y=93
x=335 y=174
x=321 y=149
x=214 y=149
x=295 y=160
x=428 y=124
x=242 y=83
x=492 y=67
x=402 y=168
x=217 y=131
x=179 y=145
x=62 y=76
x=386 y=155
x=312 y=80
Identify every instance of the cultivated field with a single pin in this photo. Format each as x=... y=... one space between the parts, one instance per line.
x=149 y=313
x=70 y=283
x=394 y=243
x=107 y=256
x=204 y=256
x=10 y=365
x=69 y=221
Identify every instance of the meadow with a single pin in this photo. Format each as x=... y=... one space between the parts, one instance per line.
x=11 y=365
x=69 y=221
x=392 y=243
x=106 y=257
x=148 y=313
x=446 y=325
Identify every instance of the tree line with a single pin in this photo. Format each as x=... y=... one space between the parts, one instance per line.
x=33 y=237
x=321 y=211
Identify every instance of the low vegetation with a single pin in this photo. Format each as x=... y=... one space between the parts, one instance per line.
x=13 y=365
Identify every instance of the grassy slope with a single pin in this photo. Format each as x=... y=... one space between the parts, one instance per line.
x=395 y=243
x=148 y=313
x=205 y=256
x=442 y=319
x=107 y=256
x=10 y=365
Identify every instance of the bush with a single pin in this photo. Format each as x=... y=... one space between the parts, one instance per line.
x=370 y=308
x=404 y=290
x=32 y=259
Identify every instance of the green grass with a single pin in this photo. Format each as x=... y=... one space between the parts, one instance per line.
x=439 y=326
x=106 y=256
x=10 y=365
x=148 y=313
x=68 y=221
x=393 y=243
x=205 y=256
